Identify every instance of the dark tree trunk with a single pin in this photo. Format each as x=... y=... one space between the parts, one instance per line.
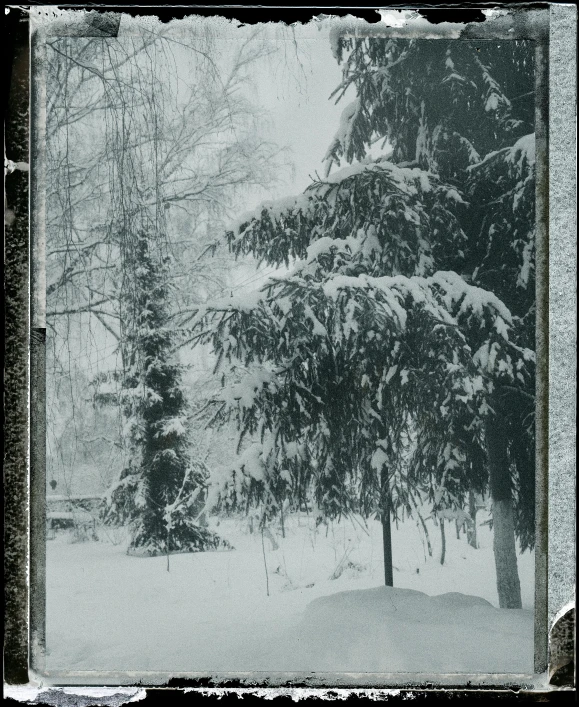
x=471 y=529
x=443 y=541
x=386 y=532
x=387 y=541
x=504 y=545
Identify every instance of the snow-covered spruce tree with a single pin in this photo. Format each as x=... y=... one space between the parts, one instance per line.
x=397 y=356
x=445 y=106
x=160 y=492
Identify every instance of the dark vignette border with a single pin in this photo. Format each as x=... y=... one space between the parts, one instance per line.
x=19 y=337
x=16 y=311
x=542 y=354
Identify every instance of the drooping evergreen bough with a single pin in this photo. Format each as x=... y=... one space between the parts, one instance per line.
x=160 y=493
x=396 y=361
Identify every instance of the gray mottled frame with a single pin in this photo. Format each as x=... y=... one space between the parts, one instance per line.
x=552 y=28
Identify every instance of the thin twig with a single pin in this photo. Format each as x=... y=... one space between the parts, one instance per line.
x=265 y=563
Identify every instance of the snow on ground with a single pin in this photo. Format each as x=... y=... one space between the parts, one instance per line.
x=326 y=611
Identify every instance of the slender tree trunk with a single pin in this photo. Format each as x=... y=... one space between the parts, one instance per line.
x=504 y=545
x=471 y=529
x=387 y=540
x=443 y=541
x=457 y=529
x=426 y=535
x=386 y=533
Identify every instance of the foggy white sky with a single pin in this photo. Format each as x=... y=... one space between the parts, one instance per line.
x=297 y=98
x=293 y=87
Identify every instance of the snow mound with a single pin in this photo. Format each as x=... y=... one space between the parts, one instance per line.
x=384 y=600
x=403 y=630
x=458 y=599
